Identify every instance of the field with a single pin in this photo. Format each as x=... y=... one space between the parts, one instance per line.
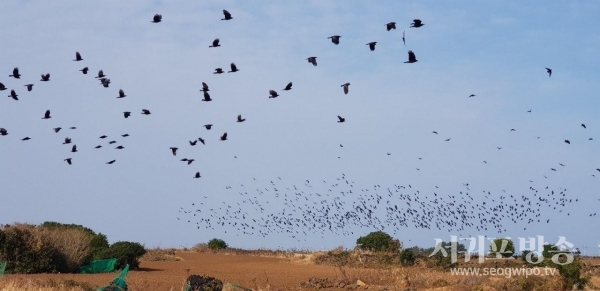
x=272 y=271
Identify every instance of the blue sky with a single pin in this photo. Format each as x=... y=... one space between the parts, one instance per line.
x=497 y=51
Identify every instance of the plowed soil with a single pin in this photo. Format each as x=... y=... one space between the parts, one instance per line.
x=253 y=272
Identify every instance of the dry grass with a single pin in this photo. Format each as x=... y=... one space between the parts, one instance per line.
x=160 y=255
x=36 y=285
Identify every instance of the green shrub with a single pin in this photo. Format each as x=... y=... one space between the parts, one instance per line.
x=503 y=247
x=379 y=241
x=217 y=244
x=407 y=257
x=125 y=253
x=26 y=251
x=98 y=244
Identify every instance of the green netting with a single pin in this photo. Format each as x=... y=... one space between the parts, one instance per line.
x=99 y=266
x=2 y=268
x=119 y=283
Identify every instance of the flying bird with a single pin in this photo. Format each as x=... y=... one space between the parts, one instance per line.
x=45 y=78
x=103 y=136
x=341 y=119
x=174 y=150
x=29 y=87
x=227 y=15
x=346 y=87
x=240 y=119
x=273 y=94
x=201 y=140
x=47 y=115
x=197 y=175
x=120 y=147
x=13 y=95
x=101 y=74
x=110 y=162
x=215 y=43
x=288 y=86
x=98 y=146
x=417 y=23
x=335 y=39
x=312 y=60
x=403 y=38
x=157 y=18
x=411 y=57
x=74 y=148
x=2 y=87
x=121 y=94
x=85 y=70
x=67 y=140
x=233 y=68
x=125 y=135
x=208 y=126
x=3 y=131
x=68 y=160
x=583 y=125
x=57 y=129
x=472 y=95
x=204 y=87
x=224 y=136
x=145 y=111
x=549 y=71
x=25 y=138
x=77 y=57
x=372 y=45
x=126 y=114
x=15 y=73
x=390 y=26
x=218 y=71
x=193 y=143
x=567 y=141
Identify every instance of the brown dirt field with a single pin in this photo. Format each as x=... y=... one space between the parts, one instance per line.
x=244 y=270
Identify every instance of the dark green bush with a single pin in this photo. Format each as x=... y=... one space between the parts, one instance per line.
x=217 y=244
x=125 y=253
x=503 y=247
x=407 y=257
x=378 y=241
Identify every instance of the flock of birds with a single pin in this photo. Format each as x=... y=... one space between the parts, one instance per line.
x=307 y=211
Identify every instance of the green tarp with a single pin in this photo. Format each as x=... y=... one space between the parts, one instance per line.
x=99 y=266
x=119 y=283
x=2 y=268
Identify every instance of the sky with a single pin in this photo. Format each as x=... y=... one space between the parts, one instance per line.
x=496 y=51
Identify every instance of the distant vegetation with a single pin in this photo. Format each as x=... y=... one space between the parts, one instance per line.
x=216 y=244
x=53 y=247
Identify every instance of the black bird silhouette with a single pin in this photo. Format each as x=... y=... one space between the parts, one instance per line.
x=98 y=146
x=126 y=114
x=224 y=136
x=121 y=94
x=47 y=115
x=411 y=57
x=390 y=26
x=193 y=142
x=29 y=87
x=335 y=39
x=85 y=70
x=25 y=138
x=103 y=136
x=112 y=142
x=206 y=97
x=157 y=18
x=67 y=140
x=111 y=162
x=77 y=57
x=583 y=125
x=15 y=73
x=434 y=132
x=204 y=87
x=125 y=135
x=529 y=111
x=2 y=87
x=120 y=147
x=240 y=119
x=273 y=94
x=341 y=119
x=174 y=150
x=13 y=95
x=74 y=148
x=101 y=74
x=57 y=129
x=201 y=140
x=218 y=71
x=312 y=60
x=68 y=160
x=472 y=95
x=346 y=87
x=372 y=45
x=233 y=68
x=417 y=23
x=288 y=86
x=227 y=15
x=3 y=131
x=448 y=139
x=145 y=111
x=208 y=126
x=215 y=43
x=567 y=141
x=549 y=71
x=45 y=78
x=403 y=38
x=104 y=82
x=197 y=175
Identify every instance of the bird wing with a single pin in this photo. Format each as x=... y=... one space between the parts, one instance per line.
x=226 y=13
x=411 y=56
x=216 y=42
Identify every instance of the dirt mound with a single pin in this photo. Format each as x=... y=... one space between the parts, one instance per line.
x=204 y=283
x=321 y=283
